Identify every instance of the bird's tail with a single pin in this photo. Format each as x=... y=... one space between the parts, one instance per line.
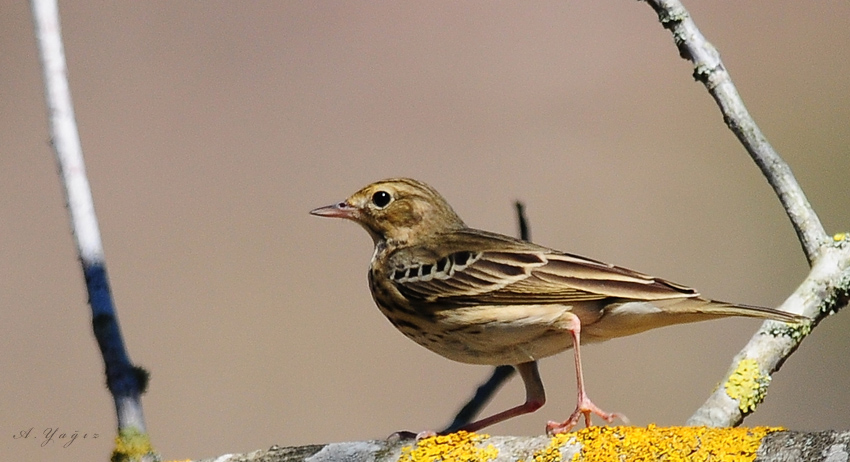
x=627 y=318
x=719 y=308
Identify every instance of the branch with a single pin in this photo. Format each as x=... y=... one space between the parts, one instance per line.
x=824 y=291
x=743 y=444
x=709 y=69
x=827 y=287
x=125 y=381
x=522 y=222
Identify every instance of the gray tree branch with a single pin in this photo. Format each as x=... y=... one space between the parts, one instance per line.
x=775 y=447
x=709 y=69
x=824 y=291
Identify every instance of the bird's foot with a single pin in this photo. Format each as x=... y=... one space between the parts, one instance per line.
x=585 y=408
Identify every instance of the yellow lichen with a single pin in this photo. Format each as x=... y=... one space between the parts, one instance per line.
x=747 y=385
x=840 y=237
x=131 y=445
x=460 y=446
x=552 y=452
x=668 y=444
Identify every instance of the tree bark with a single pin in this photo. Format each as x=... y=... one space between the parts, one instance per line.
x=775 y=447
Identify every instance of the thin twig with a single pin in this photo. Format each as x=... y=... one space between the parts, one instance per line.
x=709 y=69
x=125 y=381
x=827 y=287
x=522 y=222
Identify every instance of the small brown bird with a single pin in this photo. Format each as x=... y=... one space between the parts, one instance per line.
x=484 y=298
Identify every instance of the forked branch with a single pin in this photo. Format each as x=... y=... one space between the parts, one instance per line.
x=826 y=288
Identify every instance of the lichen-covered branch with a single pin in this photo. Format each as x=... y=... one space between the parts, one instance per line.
x=823 y=292
x=594 y=444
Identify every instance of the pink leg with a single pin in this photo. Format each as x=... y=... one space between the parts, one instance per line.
x=535 y=396
x=584 y=406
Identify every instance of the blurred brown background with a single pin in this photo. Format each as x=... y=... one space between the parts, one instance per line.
x=211 y=129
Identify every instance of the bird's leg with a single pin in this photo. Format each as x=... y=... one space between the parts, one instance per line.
x=583 y=406
x=483 y=394
x=535 y=396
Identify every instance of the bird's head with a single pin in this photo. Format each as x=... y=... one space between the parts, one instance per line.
x=396 y=211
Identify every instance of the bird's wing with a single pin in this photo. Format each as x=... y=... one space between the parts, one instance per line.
x=483 y=268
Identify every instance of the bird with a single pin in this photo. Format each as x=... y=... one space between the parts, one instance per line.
x=479 y=297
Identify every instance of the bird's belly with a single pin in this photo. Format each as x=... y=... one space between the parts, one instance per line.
x=492 y=335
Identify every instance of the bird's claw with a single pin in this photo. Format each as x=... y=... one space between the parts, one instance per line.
x=586 y=409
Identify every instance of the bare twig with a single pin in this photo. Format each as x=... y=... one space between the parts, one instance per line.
x=827 y=286
x=522 y=222
x=709 y=69
x=126 y=382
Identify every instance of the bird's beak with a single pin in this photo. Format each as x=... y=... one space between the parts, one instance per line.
x=341 y=210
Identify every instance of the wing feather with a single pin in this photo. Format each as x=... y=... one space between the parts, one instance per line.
x=477 y=267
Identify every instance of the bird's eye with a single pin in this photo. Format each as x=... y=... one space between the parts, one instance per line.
x=381 y=199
